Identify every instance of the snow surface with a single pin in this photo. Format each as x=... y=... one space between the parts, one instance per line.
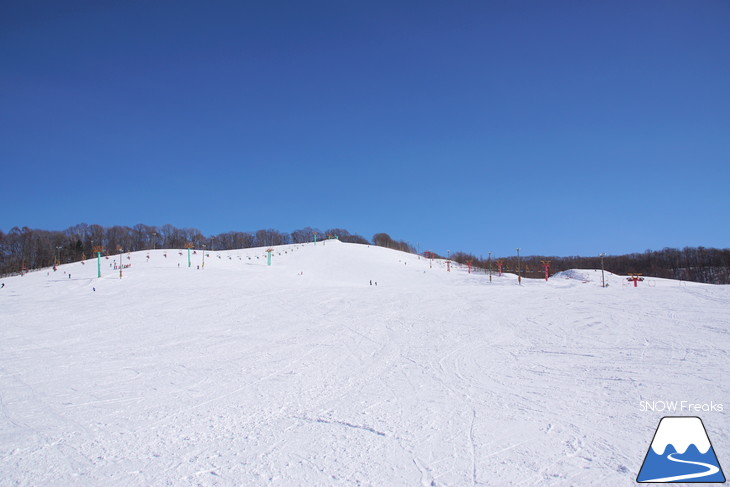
x=303 y=373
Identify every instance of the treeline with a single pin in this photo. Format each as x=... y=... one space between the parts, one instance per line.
x=384 y=240
x=697 y=264
x=28 y=249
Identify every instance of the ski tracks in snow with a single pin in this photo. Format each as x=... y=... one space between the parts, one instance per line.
x=444 y=380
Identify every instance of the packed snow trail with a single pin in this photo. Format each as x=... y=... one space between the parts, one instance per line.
x=301 y=373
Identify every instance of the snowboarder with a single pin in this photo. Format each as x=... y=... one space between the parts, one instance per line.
x=93 y=289
x=2 y=286
x=371 y=282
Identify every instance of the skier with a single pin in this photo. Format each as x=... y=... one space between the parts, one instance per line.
x=2 y=286
x=371 y=282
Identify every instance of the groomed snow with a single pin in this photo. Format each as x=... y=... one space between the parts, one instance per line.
x=303 y=373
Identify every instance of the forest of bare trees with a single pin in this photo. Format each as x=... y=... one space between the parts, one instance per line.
x=28 y=249
x=697 y=264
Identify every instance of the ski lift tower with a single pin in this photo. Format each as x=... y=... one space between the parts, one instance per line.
x=189 y=246
x=98 y=250
x=546 y=266
x=490 y=266
x=120 y=250
x=636 y=278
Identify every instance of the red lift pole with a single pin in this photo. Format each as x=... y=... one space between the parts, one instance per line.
x=429 y=255
x=546 y=266
x=500 y=263
x=469 y=264
x=636 y=278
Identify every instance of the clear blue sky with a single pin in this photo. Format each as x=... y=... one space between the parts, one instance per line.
x=559 y=127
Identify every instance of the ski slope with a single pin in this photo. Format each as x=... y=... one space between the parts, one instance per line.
x=303 y=374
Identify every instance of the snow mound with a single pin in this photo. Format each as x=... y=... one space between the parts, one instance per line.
x=577 y=274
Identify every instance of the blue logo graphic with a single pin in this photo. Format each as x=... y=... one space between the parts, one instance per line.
x=681 y=452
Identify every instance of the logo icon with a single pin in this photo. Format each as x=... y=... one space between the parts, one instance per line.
x=681 y=452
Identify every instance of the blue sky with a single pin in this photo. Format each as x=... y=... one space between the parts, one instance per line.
x=563 y=128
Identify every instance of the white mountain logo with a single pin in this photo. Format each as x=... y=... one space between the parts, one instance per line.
x=681 y=452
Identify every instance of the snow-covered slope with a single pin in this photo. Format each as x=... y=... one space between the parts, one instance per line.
x=303 y=373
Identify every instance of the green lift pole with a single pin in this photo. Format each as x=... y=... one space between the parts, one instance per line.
x=98 y=250
x=189 y=246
